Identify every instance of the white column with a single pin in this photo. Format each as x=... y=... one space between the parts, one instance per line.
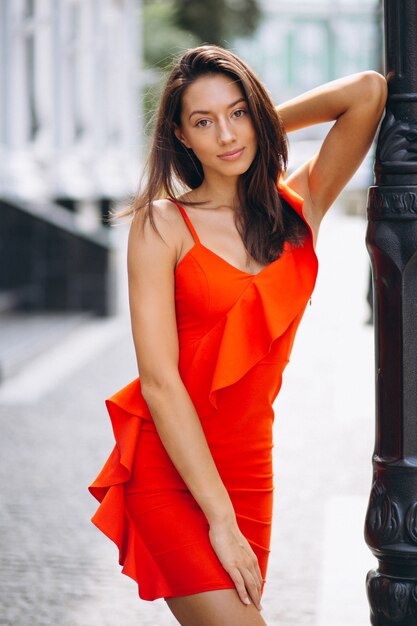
x=19 y=122
x=118 y=125
x=44 y=80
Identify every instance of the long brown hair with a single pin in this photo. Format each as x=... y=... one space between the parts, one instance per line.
x=264 y=220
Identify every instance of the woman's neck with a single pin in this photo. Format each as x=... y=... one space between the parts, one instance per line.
x=219 y=192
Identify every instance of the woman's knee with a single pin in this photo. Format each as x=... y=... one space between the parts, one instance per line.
x=221 y=607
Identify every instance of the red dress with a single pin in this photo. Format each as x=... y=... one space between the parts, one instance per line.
x=235 y=331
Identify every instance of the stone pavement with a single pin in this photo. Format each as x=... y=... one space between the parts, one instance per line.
x=56 y=569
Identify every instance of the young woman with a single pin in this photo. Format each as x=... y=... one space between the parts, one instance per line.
x=221 y=265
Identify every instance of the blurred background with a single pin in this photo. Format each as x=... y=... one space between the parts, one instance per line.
x=79 y=81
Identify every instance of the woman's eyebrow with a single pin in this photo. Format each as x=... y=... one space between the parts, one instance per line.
x=207 y=112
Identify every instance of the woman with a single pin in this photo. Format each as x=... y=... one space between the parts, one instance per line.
x=220 y=272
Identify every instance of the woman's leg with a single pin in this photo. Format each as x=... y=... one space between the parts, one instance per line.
x=221 y=607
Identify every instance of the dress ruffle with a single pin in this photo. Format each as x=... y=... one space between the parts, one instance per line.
x=255 y=339
x=261 y=315
x=128 y=413
x=124 y=408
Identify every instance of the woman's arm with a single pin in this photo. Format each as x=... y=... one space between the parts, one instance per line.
x=357 y=103
x=151 y=264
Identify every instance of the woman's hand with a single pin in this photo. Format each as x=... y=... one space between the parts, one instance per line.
x=238 y=559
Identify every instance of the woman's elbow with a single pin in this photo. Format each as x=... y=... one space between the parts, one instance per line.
x=375 y=88
x=159 y=384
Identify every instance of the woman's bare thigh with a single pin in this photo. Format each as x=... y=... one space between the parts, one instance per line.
x=221 y=607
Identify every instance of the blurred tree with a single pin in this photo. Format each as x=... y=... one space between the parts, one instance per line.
x=216 y=21
x=173 y=25
x=162 y=37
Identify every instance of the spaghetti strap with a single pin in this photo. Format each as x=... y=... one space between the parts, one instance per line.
x=186 y=220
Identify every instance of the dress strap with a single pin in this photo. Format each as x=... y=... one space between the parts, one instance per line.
x=186 y=220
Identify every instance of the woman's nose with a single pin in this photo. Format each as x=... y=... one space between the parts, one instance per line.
x=225 y=133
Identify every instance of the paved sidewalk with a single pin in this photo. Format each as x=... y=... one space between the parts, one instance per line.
x=56 y=569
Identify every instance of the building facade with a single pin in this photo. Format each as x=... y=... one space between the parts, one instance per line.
x=70 y=106
x=300 y=45
x=70 y=145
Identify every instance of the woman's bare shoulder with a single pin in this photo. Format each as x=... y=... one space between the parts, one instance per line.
x=166 y=242
x=166 y=218
x=164 y=211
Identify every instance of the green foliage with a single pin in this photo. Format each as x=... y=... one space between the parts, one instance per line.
x=217 y=21
x=170 y=26
x=162 y=38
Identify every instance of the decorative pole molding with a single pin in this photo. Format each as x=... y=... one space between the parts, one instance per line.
x=391 y=520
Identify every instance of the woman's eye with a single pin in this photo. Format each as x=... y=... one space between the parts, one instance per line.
x=202 y=123
x=240 y=112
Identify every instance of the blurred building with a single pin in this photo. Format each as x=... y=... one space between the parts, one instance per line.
x=70 y=133
x=300 y=45
x=69 y=106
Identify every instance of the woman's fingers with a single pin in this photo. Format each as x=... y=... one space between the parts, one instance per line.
x=254 y=568
x=247 y=585
x=240 y=561
x=253 y=587
x=237 y=578
x=254 y=564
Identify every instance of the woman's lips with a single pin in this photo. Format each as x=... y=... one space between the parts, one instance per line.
x=232 y=155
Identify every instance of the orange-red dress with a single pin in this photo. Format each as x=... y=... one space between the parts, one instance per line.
x=235 y=331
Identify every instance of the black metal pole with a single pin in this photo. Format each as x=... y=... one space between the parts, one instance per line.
x=391 y=520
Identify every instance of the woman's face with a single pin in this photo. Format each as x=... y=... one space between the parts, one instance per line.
x=216 y=125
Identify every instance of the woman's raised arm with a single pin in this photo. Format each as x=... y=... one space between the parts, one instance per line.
x=357 y=103
x=151 y=264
